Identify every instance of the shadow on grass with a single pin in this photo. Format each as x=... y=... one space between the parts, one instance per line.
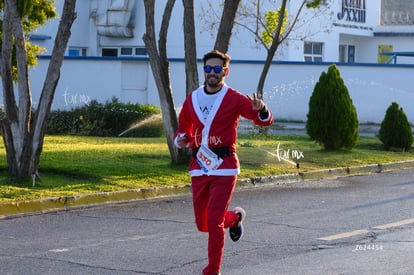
x=50 y=178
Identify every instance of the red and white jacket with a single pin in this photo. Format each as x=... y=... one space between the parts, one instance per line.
x=221 y=126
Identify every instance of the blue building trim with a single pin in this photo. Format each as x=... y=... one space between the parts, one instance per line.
x=103 y=58
x=39 y=37
x=234 y=61
x=393 y=34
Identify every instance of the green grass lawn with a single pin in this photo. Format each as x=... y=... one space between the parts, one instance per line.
x=76 y=165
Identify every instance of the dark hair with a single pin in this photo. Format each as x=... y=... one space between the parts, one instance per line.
x=217 y=54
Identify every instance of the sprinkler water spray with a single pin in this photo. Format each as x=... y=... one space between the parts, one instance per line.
x=143 y=122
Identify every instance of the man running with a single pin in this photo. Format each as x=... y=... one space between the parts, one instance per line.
x=208 y=124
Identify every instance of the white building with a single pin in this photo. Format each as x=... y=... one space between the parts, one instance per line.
x=106 y=55
x=340 y=31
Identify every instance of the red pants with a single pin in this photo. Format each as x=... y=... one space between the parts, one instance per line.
x=211 y=199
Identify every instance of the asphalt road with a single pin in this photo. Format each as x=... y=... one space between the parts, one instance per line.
x=351 y=225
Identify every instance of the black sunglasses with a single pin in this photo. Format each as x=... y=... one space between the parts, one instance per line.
x=216 y=69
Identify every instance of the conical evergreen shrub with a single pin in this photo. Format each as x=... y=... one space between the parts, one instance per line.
x=395 y=131
x=332 y=119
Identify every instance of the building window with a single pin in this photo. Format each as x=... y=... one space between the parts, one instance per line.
x=342 y=53
x=347 y=53
x=126 y=51
x=351 y=54
x=141 y=51
x=74 y=51
x=312 y=52
x=109 y=52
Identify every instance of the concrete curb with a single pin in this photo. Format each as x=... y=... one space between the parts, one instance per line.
x=70 y=202
x=67 y=202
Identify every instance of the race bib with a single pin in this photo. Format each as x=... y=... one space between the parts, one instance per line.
x=207 y=159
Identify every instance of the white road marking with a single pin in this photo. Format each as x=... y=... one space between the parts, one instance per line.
x=59 y=250
x=394 y=224
x=365 y=231
x=344 y=235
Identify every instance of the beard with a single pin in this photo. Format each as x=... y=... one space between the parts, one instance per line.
x=214 y=81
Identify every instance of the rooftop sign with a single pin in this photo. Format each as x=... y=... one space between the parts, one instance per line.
x=353 y=11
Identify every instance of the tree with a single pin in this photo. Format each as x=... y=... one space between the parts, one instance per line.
x=222 y=39
x=160 y=65
x=269 y=29
x=275 y=34
x=275 y=39
x=395 y=130
x=332 y=118
x=161 y=71
x=23 y=136
x=189 y=47
x=226 y=25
